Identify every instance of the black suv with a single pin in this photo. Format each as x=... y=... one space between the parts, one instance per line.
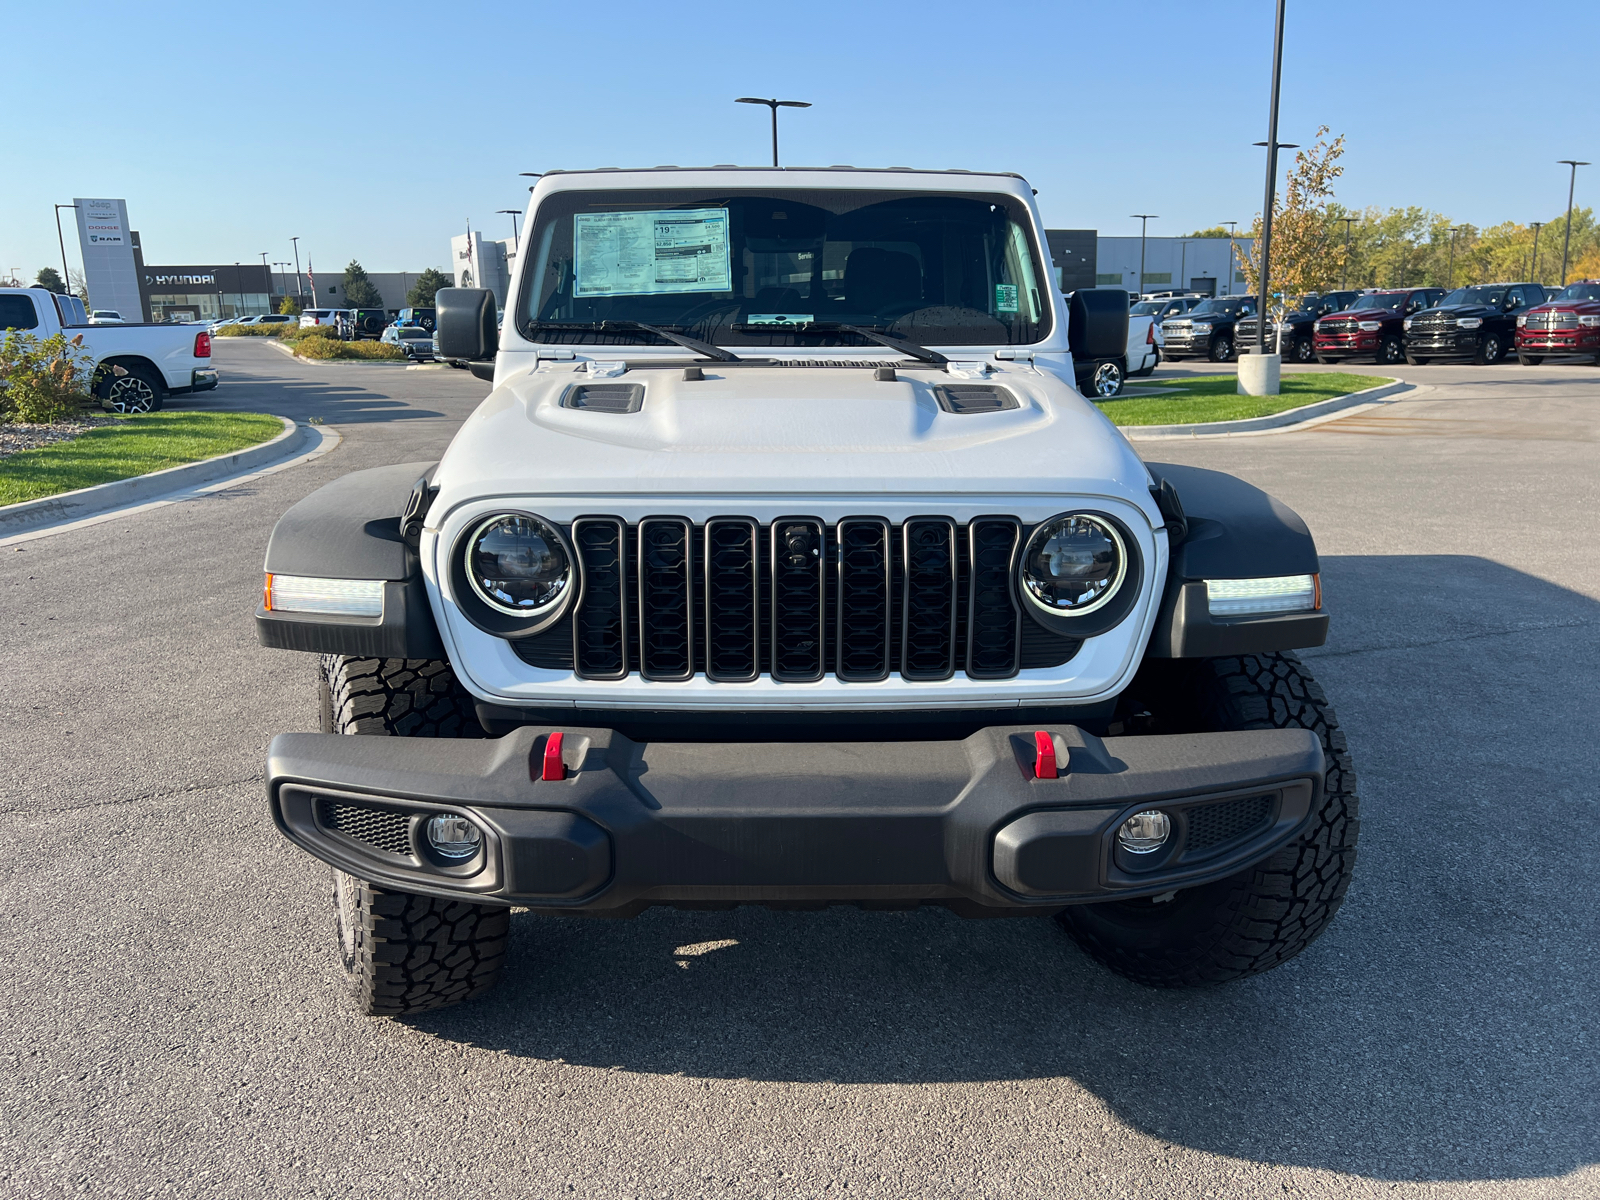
x=1206 y=329
x=363 y=323
x=1296 y=324
x=1479 y=323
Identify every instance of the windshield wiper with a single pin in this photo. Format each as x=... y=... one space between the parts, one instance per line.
x=894 y=342
x=704 y=349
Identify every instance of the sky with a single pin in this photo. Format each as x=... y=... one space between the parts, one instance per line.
x=376 y=132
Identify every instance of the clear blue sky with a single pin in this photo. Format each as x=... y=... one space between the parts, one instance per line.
x=376 y=131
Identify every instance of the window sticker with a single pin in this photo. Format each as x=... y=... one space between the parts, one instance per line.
x=652 y=253
x=779 y=319
x=1005 y=297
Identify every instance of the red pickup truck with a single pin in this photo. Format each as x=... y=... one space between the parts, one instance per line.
x=1372 y=327
x=1567 y=324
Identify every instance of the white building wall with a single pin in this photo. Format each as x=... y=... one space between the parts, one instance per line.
x=1175 y=264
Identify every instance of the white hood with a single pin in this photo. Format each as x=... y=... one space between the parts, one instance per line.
x=787 y=430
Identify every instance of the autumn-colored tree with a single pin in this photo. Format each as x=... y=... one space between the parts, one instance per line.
x=1307 y=256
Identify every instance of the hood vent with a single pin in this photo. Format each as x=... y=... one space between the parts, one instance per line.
x=974 y=398
x=605 y=397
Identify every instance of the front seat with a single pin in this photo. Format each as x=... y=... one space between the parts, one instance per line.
x=881 y=283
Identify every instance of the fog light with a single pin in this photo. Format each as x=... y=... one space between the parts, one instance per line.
x=1145 y=832
x=454 y=837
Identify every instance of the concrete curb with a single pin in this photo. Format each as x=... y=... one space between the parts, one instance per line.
x=1283 y=422
x=71 y=506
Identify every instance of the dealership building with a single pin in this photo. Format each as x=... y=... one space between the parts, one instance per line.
x=1082 y=258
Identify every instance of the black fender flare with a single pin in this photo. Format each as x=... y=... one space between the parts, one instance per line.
x=360 y=526
x=1229 y=529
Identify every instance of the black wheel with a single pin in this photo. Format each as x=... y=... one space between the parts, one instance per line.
x=404 y=953
x=1303 y=351
x=1415 y=361
x=1533 y=360
x=1391 y=351
x=1221 y=348
x=1490 y=350
x=1106 y=381
x=1265 y=915
x=137 y=390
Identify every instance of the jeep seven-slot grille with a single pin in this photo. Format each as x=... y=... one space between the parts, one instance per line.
x=797 y=600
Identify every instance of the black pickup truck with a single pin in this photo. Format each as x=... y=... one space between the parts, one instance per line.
x=1296 y=325
x=1479 y=323
x=1206 y=330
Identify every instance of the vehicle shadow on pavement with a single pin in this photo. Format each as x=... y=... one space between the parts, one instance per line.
x=299 y=399
x=1443 y=1029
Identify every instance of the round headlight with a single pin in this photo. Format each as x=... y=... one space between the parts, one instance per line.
x=518 y=566
x=1074 y=564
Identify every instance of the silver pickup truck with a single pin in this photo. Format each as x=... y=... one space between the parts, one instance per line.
x=156 y=361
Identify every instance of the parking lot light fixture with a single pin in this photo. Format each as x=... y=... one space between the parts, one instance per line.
x=1450 y=273
x=1144 y=220
x=1344 y=274
x=1533 y=275
x=1228 y=290
x=298 y=290
x=774 y=105
x=513 y=213
x=1273 y=146
x=63 y=243
x=1566 y=236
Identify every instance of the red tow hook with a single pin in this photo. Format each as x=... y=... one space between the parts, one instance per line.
x=554 y=768
x=1044 y=755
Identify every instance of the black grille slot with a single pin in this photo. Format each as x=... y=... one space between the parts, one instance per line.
x=600 y=630
x=974 y=398
x=550 y=650
x=1043 y=648
x=864 y=575
x=1212 y=825
x=605 y=397
x=993 y=622
x=733 y=582
x=798 y=571
x=666 y=584
x=929 y=618
x=376 y=825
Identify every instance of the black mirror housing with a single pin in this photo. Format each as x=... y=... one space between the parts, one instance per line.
x=464 y=320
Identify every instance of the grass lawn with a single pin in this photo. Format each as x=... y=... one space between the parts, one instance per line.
x=133 y=446
x=1216 y=398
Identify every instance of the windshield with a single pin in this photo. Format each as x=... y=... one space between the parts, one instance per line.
x=1580 y=291
x=1492 y=296
x=1221 y=308
x=413 y=333
x=1147 y=308
x=745 y=268
x=1379 y=300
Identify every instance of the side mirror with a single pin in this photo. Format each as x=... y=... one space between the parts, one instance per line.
x=465 y=322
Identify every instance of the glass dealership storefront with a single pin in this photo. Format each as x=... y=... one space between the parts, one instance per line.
x=206 y=293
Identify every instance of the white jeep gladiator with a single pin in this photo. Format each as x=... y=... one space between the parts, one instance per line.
x=786 y=564
x=136 y=366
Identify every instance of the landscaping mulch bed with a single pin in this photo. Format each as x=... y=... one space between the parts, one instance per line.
x=21 y=435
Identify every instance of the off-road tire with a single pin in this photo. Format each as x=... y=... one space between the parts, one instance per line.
x=404 y=953
x=1263 y=916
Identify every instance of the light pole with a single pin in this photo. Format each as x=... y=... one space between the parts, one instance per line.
x=1450 y=275
x=1183 y=265
x=238 y=291
x=1344 y=274
x=774 y=105
x=63 y=243
x=1566 y=236
x=298 y=290
x=1230 y=225
x=513 y=213
x=1272 y=180
x=1144 y=223
x=1534 y=274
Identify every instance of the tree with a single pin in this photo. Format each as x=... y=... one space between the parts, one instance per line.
x=79 y=286
x=289 y=307
x=1306 y=256
x=50 y=279
x=359 y=291
x=1216 y=231
x=426 y=287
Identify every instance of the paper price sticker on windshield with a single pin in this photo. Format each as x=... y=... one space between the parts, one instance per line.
x=1005 y=297
x=651 y=253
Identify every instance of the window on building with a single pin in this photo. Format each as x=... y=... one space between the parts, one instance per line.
x=1113 y=280
x=1157 y=277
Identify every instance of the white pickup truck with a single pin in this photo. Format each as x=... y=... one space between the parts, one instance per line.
x=156 y=361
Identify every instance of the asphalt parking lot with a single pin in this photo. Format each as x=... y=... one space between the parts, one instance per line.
x=170 y=1014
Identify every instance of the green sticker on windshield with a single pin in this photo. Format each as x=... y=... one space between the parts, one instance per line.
x=1005 y=297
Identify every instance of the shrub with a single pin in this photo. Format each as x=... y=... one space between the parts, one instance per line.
x=250 y=331
x=46 y=379
x=327 y=347
x=289 y=306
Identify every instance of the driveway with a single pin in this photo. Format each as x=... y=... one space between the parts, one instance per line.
x=170 y=1013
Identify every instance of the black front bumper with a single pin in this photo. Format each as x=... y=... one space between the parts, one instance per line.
x=964 y=823
x=1444 y=345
